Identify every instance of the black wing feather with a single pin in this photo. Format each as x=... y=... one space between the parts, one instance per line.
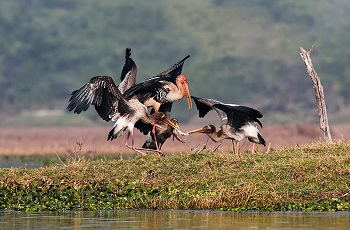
x=143 y=127
x=150 y=85
x=239 y=115
x=124 y=106
x=204 y=105
x=100 y=91
x=143 y=87
x=203 y=108
x=128 y=74
x=176 y=70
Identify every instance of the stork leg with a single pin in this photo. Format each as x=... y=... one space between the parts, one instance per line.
x=155 y=136
x=132 y=143
x=235 y=147
x=253 y=148
x=215 y=148
x=155 y=141
x=200 y=147
x=126 y=140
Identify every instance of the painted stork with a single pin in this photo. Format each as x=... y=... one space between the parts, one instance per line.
x=157 y=140
x=130 y=112
x=150 y=92
x=169 y=86
x=162 y=134
x=100 y=91
x=237 y=122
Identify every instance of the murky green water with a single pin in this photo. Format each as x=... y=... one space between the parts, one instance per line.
x=145 y=219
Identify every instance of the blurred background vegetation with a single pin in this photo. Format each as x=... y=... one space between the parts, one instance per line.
x=244 y=52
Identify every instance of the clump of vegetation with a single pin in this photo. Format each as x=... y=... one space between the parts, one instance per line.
x=312 y=177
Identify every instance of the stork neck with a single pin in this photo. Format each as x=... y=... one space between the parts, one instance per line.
x=216 y=136
x=176 y=92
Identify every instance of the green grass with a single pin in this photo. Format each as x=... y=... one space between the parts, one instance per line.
x=312 y=177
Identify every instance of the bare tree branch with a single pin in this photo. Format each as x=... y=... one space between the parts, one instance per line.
x=320 y=101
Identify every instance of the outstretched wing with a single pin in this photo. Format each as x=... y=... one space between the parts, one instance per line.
x=150 y=85
x=175 y=70
x=124 y=105
x=239 y=115
x=100 y=91
x=204 y=105
x=128 y=74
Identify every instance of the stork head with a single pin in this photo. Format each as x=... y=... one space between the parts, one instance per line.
x=206 y=129
x=181 y=81
x=162 y=117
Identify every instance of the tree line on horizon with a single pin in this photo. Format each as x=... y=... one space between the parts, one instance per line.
x=243 y=52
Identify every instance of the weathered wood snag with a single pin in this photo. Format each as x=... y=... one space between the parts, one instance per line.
x=320 y=101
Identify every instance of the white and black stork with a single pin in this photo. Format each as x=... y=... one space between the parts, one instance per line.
x=237 y=122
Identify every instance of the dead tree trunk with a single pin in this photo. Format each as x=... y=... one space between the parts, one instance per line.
x=320 y=101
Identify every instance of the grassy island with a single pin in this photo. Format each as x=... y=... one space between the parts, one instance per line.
x=310 y=177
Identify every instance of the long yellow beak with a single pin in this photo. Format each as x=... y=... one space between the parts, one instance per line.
x=175 y=121
x=188 y=94
x=201 y=130
x=175 y=126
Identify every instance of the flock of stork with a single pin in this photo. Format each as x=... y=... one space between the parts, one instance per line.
x=127 y=104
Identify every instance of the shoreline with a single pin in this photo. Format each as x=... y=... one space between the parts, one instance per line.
x=310 y=178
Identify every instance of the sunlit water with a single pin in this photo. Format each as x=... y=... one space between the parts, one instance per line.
x=145 y=219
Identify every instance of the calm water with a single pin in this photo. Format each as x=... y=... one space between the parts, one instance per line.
x=173 y=220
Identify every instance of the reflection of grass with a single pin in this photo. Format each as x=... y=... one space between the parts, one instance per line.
x=312 y=177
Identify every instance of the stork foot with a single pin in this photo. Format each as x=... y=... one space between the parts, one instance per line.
x=215 y=148
x=133 y=148
x=199 y=148
x=152 y=150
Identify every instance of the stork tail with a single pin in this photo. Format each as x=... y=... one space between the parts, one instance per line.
x=261 y=140
x=115 y=133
